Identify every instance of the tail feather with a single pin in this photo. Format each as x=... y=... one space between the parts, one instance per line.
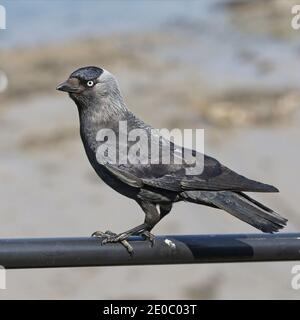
x=243 y=207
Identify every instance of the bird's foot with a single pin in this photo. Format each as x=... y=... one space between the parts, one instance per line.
x=147 y=235
x=111 y=237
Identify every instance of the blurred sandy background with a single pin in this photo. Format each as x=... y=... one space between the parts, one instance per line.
x=231 y=67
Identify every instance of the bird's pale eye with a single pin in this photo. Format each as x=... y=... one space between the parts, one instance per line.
x=90 y=83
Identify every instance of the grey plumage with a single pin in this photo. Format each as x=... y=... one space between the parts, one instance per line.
x=155 y=187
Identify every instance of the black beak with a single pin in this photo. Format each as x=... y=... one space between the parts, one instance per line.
x=72 y=85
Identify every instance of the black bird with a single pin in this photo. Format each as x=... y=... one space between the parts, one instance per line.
x=155 y=187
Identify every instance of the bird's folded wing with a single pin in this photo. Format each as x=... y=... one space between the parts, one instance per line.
x=173 y=178
x=124 y=176
x=129 y=175
x=227 y=180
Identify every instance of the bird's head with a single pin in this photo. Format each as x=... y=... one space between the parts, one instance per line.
x=90 y=84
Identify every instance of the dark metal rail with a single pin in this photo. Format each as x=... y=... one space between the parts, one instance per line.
x=84 y=252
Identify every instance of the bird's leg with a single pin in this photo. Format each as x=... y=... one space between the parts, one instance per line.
x=107 y=235
x=152 y=217
x=148 y=236
x=111 y=237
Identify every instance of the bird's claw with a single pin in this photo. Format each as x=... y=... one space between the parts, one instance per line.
x=111 y=237
x=147 y=235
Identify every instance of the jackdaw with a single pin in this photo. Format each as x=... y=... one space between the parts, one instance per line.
x=156 y=186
